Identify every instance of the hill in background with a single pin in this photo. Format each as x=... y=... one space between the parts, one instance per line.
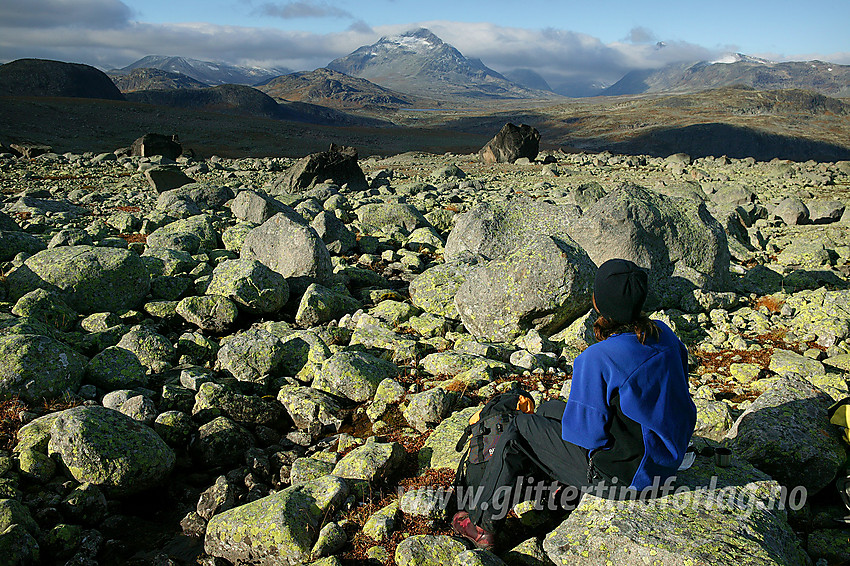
x=208 y=72
x=153 y=79
x=41 y=77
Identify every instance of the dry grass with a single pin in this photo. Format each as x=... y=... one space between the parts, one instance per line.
x=771 y=303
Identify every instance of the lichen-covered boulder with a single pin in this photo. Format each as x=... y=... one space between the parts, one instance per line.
x=221 y=442
x=280 y=529
x=191 y=235
x=372 y=462
x=544 y=284
x=336 y=236
x=253 y=207
x=108 y=449
x=434 y=289
x=251 y=285
x=320 y=304
x=252 y=355
x=36 y=367
x=494 y=230
x=14 y=242
x=116 y=368
x=439 y=449
x=427 y=550
x=47 y=307
x=214 y=399
x=380 y=525
x=786 y=433
x=309 y=408
x=89 y=279
x=199 y=195
x=354 y=375
x=427 y=409
x=287 y=245
x=679 y=243
x=376 y=218
x=717 y=516
x=212 y=313
x=152 y=349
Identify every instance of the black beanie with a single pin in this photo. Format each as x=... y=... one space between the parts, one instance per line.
x=620 y=290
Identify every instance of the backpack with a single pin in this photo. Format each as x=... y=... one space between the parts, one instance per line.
x=839 y=414
x=486 y=443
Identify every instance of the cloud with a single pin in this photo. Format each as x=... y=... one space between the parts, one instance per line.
x=94 y=14
x=640 y=34
x=293 y=10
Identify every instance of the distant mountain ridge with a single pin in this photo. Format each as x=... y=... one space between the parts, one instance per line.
x=737 y=70
x=209 y=72
x=332 y=88
x=145 y=78
x=419 y=63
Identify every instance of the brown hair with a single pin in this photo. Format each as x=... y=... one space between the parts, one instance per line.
x=642 y=326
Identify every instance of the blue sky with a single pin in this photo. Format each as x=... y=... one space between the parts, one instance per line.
x=590 y=40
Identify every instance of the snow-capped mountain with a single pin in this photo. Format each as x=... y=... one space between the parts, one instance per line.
x=737 y=70
x=421 y=64
x=208 y=72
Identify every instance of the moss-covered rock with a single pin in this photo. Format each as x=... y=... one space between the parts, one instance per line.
x=718 y=516
x=221 y=442
x=354 y=375
x=193 y=234
x=320 y=304
x=427 y=409
x=217 y=399
x=785 y=362
x=403 y=349
x=110 y=450
x=18 y=546
x=153 y=350
x=251 y=285
x=13 y=512
x=427 y=550
x=251 y=356
x=544 y=284
x=305 y=470
x=116 y=368
x=714 y=419
x=280 y=529
x=38 y=367
x=211 y=313
x=786 y=433
x=309 y=408
x=381 y=524
x=477 y=557
x=36 y=465
x=453 y=363
x=46 y=306
x=439 y=449
x=371 y=462
x=89 y=279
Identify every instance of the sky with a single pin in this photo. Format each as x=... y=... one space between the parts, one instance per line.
x=587 y=40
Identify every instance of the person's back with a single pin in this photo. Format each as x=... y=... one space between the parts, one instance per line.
x=630 y=406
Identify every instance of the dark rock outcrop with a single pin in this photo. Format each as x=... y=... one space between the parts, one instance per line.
x=338 y=164
x=511 y=143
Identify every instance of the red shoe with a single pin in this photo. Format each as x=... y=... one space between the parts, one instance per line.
x=462 y=525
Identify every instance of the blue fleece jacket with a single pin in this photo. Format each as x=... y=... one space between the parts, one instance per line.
x=648 y=383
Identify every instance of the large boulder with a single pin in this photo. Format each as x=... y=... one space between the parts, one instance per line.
x=200 y=195
x=354 y=375
x=545 y=284
x=37 y=367
x=676 y=240
x=382 y=217
x=108 y=449
x=89 y=279
x=285 y=244
x=251 y=356
x=434 y=289
x=493 y=230
x=13 y=242
x=320 y=304
x=280 y=529
x=157 y=144
x=257 y=208
x=338 y=165
x=251 y=285
x=716 y=516
x=511 y=143
x=190 y=235
x=786 y=433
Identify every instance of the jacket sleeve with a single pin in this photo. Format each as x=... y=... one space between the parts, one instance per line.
x=586 y=414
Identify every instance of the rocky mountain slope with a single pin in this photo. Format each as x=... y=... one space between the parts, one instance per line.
x=40 y=77
x=826 y=78
x=247 y=101
x=208 y=72
x=419 y=63
x=332 y=89
x=145 y=78
x=238 y=374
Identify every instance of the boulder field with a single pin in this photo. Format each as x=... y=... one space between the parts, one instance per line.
x=270 y=360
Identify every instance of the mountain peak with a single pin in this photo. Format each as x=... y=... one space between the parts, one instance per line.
x=420 y=40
